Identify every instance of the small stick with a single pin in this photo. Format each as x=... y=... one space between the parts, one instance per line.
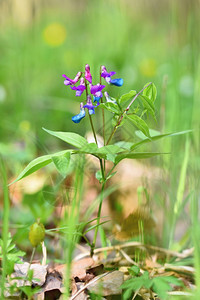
x=135 y=244
x=88 y=284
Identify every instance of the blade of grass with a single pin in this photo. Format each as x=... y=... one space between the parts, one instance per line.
x=6 y=212
x=180 y=191
x=71 y=220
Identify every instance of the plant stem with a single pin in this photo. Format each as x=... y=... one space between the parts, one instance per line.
x=98 y=220
x=31 y=259
x=125 y=112
x=92 y=126
x=100 y=160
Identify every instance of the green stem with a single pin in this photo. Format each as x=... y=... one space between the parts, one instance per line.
x=92 y=126
x=100 y=160
x=98 y=220
x=31 y=259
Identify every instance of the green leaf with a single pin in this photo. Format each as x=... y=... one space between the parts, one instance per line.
x=137 y=155
x=105 y=152
x=134 y=270
x=112 y=107
x=152 y=132
x=37 y=164
x=71 y=138
x=89 y=148
x=157 y=137
x=110 y=149
x=124 y=145
x=111 y=157
x=139 y=123
x=127 y=96
x=162 y=284
x=149 y=105
x=98 y=176
x=62 y=163
x=150 y=92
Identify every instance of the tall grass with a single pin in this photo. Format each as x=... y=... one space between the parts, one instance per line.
x=71 y=219
x=6 y=211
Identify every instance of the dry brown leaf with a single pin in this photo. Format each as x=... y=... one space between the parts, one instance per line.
x=78 y=269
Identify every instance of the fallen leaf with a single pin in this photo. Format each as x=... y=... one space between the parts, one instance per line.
x=78 y=268
x=20 y=270
x=108 y=285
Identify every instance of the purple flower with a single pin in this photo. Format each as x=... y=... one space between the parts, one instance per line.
x=117 y=81
x=69 y=81
x=88 y=75
x=109 y=99
x=96 y=90
x=106 y=75
x=80 y=116
x=90 y=106
x=80 y=88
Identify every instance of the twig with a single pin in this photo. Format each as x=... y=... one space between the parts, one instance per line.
x=44 y=253
x=129 y=259
x=137 y=245
x=88 y=284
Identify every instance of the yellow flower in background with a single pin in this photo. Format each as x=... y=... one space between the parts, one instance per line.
x=24 y=126
x=148 y=67
x=54 y=34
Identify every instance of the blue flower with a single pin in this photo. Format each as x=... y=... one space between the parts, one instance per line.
x=96 y=99
x=117 y=81
x=80 y=116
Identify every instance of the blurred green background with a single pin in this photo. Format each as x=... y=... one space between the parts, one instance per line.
x=142 y=41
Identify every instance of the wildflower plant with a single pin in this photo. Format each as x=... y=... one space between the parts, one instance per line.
x=124 y=110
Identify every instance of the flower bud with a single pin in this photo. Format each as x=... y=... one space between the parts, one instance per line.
x=36 y=233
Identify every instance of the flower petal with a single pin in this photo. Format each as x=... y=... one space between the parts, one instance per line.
x=79 y=117
x=88 y=75
x=117 y=81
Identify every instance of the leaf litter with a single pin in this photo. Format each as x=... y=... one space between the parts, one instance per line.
x=151 y=277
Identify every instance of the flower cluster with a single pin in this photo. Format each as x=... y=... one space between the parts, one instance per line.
x=86 y=84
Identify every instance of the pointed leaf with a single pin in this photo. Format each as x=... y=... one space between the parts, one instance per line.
x=37 y=164
x=62 y=163
x=157 y=137
x=150 y=92
x=89 y=148
x=139 y=123
x=137 y=155
x=112 y=107
x=71 y=138
x=127 y=96
x=149 y=105
x=124 y=145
